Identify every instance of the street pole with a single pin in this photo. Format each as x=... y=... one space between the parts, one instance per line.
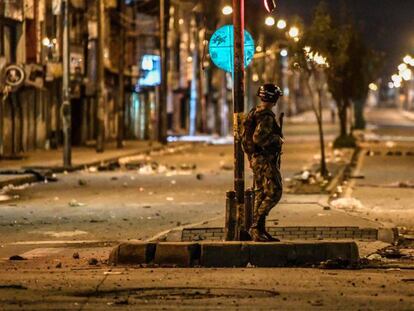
x=238 y=104
x=162 y=107
x=100 y=77
x=121 y=95
x=65 y=108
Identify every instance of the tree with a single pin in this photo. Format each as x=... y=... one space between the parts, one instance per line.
x=312 y=64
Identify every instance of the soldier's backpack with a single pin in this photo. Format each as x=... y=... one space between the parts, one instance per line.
x=249 y=126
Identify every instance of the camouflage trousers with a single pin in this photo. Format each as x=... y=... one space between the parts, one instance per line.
x=268 y=184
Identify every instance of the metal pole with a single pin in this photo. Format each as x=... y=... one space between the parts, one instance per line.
x=162 y=107
x=65 y=108
x=121 y=95
x=100 y=77
x=238 y=104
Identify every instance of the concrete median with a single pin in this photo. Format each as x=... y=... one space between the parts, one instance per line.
x=233 y=254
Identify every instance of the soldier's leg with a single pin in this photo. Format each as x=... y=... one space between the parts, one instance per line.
x=273 y=192
x=259 y=197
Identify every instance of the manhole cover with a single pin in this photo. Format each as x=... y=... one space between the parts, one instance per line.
x=180 y=293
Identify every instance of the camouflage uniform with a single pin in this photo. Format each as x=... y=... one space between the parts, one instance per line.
x=265 y=166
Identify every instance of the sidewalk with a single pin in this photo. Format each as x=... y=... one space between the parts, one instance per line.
x=81 y=156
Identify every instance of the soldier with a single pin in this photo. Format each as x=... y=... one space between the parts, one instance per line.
x=262 y=141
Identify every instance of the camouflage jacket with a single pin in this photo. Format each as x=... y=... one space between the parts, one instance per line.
x=268 y=135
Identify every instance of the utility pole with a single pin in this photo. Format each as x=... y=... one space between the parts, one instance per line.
x=100 y=77
x=238 y=104
x=65 y=108
x=162 y=107
x=121 y=95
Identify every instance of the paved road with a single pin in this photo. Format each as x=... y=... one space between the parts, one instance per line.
x=187 y=186
x=387 y=165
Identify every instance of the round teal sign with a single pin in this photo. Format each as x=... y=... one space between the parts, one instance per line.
x=221 y=47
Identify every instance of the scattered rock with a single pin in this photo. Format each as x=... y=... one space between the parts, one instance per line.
x=199 y=176
x=93 y=261
x=146 y=206
x=374 y=257
x=58 y=265
x=17 y=257
x=82 y=182
x=74 y=203
x=76 y=255
x=114 y=178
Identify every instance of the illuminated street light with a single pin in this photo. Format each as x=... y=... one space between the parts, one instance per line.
x=373 y=87
x=390 y=85
x=259 y=49
x=397 y=84
x=255 y=77
x=227 y=10
x=294 y=32
x=281 y=24
x=46 y=41
x=407 y=59
x=283 y=53
x=269 y=21
x=402 y=67
x=406 y=74
x=396 y=79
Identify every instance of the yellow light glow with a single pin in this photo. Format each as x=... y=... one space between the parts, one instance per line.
x=406 y=74
x=407 y=59
x=283 y=53
x=227 y=10
x=255 y=77
x=373 y=87
x=269 y=21
x=402 y=67
x=281 y=24
x=46 y=41
x=294 y=32
x=259 y=49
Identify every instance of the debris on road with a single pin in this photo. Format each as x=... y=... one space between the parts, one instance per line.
x=75 y=255
x=82 y=182
x=347 y=204
x=74 y=203
x=17 y=257
x=93 y=261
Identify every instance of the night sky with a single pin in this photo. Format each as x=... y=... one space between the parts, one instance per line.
x=387 y=24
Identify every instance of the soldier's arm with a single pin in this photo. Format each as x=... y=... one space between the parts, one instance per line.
x=263 y=135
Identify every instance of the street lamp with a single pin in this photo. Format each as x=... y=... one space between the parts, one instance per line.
x=407 y=59
x=406 y=74
x=402 y=67
x=281 y=24
x=227 y=10
x=269 y=21
x=283 y=53
x=373 y=87
x=294 y=32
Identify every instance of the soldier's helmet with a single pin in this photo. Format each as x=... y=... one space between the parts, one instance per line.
x=269 y=93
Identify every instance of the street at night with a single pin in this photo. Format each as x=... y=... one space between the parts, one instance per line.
x=151 y=160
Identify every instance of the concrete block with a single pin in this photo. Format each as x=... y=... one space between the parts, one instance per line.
x=132 y=253
x=224 y=254
x=271 y=254
x=181 y=254
x=344 y=250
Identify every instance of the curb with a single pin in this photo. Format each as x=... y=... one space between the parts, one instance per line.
x=232 y=254
x=16 y=181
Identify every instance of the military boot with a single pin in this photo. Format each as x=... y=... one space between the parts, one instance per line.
x=262 y=229
x=255 y=232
